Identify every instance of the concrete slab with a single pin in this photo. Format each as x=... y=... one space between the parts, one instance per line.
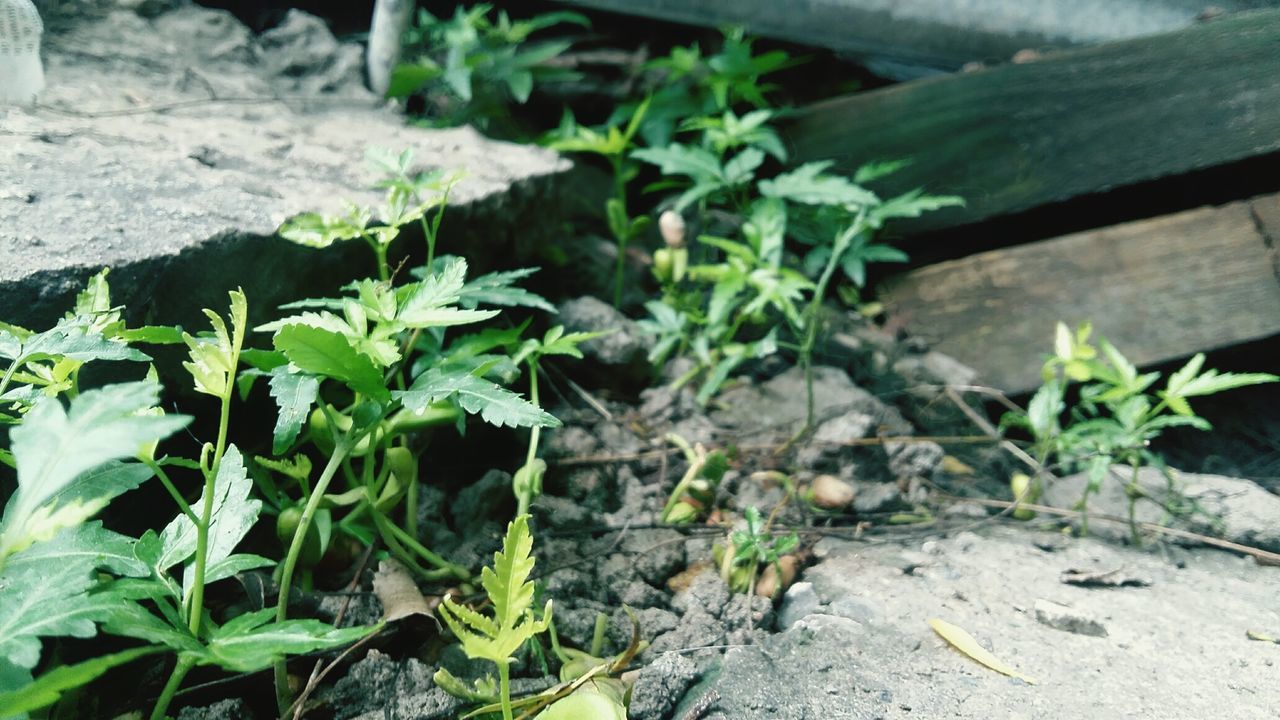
x=171 y=148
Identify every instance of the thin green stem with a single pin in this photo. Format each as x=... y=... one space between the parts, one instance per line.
x=504 y=688
x=8 y=375
x=526 y=495
x=173 y=490
x=842 y=242
x=171 y=688
x=597 y=634
x=400 y=535
x=340 y=450
x=620 y=193
x=206 y=512
x=1133 y=492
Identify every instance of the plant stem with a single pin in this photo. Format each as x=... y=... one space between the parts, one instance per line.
x=1133 y=492
x=504 y=688
x=597 y=634
x=390 y=528
x=173 y=491
x=340 y=450
x=171 y=688
x=619 y=192
x=695 y=467
x=8 y=375
x=206 y=512
x=526 y=496
x=842 y=242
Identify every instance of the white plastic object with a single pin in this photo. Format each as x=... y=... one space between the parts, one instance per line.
x=21 y=74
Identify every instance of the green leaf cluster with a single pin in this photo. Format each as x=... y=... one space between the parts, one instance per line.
x=479 y=62
x=1119 y=410
x=513 y=623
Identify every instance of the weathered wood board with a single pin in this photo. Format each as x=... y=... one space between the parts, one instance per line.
x=1158 y=289
x=1073 y=123
x=909 y=38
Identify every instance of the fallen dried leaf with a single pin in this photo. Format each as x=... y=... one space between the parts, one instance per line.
x=399 y=594
x=1096 y=578
x=1261 y=637
x=961 y=640
x=954 y=466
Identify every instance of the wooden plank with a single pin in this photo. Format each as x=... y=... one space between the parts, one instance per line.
x=911 y=37
x=1073 y=123
x=1158 y=289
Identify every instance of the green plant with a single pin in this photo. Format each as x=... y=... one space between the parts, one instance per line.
x=724 y=313
x=615 y=144
x=513 y=623
x=478 y=64
x=688 y=84
x=753 y=292
x=64 y=576
x=752 y=548
x=1117 y=414
x=380 y=370
x=527 y=482
x=697 y=488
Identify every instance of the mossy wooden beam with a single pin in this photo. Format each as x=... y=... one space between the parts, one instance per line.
x=911 y=38
x=1070 y=124
x=1158 y=289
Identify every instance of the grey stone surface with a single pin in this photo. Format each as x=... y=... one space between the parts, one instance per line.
x=231 y=709
x=799 y=602
x=1176 y=649
x=1233 y=508
x=171 y=148
x=1067 y=619
x=379 y=687
x=660 y=686
x=624 y=345
x=777 y=407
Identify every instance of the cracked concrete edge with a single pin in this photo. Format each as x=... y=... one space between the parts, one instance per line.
x=500 y=229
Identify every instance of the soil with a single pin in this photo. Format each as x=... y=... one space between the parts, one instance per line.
x=1159 y=632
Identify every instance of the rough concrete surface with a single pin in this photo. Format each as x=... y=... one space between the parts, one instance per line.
x=171 y=148
x=1174 y=649
x=1234 y=509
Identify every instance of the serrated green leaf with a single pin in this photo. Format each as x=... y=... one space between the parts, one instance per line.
x=327 y=353
x=214 y=357
x=510 y=593
x=475 y=395
x=49 y=687
x=498 y=288
x=320 y=231
x=89 y=546
x=249 y=643
x=232 y=515
x=910 y=205
x=873 y=171
x=47 y=600
x=152 y=335
x=294 y=393
x=811 y=185
x=234 y=565
x=55 y=446
x=688 y=160
x=129 y=619
x=74 y=339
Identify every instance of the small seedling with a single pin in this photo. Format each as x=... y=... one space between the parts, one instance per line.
x=527 y=482
x=696 y=491
x=475 y=64
x=752 y=548
x=497 y=638
x=615 y=144
x=1117 y=415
